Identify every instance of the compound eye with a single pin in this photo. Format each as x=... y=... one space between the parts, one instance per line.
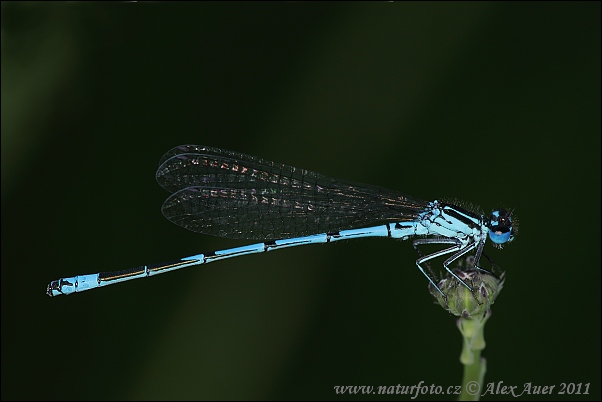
x=500 y=237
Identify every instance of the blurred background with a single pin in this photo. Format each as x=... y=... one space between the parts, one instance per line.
x=496 y=104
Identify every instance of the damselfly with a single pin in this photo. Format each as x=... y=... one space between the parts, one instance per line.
x=230 y=194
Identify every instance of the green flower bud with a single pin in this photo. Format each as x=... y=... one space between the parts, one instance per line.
x=464 y=302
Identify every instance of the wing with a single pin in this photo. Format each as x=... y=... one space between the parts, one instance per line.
x=229 y=194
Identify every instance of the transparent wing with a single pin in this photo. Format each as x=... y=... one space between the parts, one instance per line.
x=229 y=194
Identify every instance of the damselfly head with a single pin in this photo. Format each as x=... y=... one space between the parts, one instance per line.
x=502 y=227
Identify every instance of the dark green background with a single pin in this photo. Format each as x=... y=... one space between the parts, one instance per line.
x=492 y=103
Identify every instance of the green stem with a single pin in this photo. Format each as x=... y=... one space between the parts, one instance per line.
x=475 y=366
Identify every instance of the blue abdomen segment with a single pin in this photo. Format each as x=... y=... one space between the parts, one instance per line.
x=65 y=286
